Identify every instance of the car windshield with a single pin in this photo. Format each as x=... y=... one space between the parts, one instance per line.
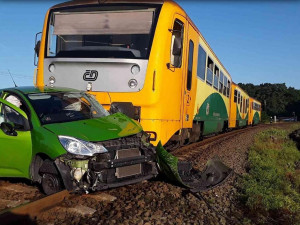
x=111 y=32
x=65 y=107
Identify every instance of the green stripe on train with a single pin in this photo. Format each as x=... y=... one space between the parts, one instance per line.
x=214 y=113
x=256 y=118
x=242 y=122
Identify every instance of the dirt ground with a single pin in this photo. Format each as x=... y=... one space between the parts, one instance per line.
x=155 y=201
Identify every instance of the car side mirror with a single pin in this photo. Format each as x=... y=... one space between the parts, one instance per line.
x=126 y=108
x=8 y=129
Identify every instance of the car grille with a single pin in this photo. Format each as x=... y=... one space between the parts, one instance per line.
x=127 y=171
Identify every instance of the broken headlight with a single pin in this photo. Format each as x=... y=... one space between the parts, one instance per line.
x=79 y=147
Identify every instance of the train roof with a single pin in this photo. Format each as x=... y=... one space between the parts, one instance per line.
x=245 y=92
x=94 y=2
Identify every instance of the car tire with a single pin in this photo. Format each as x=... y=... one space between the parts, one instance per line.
x=51 y=184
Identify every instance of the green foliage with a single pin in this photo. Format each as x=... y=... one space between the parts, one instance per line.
x=276 y=99
x=264 y=117
x=271 y=189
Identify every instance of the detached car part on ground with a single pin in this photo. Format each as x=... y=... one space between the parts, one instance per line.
x=63 y=138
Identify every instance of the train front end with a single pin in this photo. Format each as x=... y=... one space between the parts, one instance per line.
x=102 y=48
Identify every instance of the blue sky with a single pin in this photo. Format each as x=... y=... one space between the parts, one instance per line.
x=258 y=42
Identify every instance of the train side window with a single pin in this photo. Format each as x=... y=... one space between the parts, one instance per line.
x=216 y=77
x=201 y=63
x=241 y=106
x=221 y=82
x=177 y=47
x=235 y=96
x=238 y=97
x=209 y=71
x=228 y=88
x=225 y=85
x=190 y=66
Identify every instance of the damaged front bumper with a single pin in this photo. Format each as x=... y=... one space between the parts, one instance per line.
x=127 y=161
x=130 y=160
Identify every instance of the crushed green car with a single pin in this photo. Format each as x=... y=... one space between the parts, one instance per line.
x=63 y=138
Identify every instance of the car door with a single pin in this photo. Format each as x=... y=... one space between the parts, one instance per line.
x=15 y=144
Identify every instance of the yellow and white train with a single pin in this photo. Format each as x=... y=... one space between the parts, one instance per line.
x=146 y=58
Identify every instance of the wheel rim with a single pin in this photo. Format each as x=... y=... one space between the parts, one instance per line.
x=50 y=184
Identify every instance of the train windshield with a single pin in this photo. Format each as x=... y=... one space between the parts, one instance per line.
x=107 y=33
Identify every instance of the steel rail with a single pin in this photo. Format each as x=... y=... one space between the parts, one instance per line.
x=193 y=147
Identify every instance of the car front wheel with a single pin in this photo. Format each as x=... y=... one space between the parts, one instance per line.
x=51 y=184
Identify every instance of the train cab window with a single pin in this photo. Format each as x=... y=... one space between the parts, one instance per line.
x=228 y=88
x=201 y=63
x=221 y=82
x=209 y=73
x=216 y=77
x=177 y=47
x=235 y=96
x=190 y=66
x=225 y=85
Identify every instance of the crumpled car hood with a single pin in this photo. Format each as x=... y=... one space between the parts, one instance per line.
x=100 y=129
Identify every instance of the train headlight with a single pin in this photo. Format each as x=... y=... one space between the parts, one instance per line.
x=89 y=86
x=51 y=68
x=52 y=81
x=132 y=83
x=135 y=69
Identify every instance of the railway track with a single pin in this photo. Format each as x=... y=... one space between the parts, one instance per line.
x=31 y=210
x=192 y=148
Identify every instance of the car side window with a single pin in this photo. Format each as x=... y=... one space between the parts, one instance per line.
x=9 y=115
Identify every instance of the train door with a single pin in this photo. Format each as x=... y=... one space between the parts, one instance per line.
x=177 y=61
x=189 y=84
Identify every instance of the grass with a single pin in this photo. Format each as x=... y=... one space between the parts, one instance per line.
x=271 y=188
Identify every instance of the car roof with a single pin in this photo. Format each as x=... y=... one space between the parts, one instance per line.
x=37 y=90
